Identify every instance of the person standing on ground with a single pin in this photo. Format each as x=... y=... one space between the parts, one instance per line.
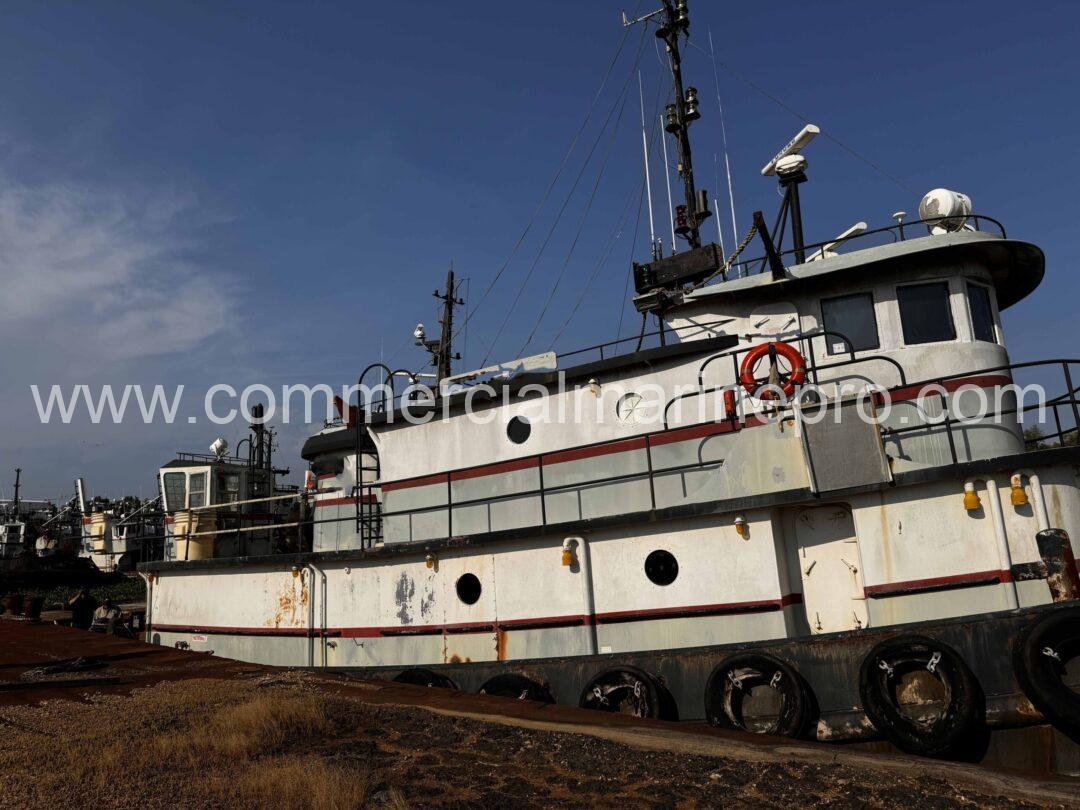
x=82 y=606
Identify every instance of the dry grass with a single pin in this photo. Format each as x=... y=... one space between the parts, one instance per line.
x=240 y=747
x=298 y=781
x=259 y=726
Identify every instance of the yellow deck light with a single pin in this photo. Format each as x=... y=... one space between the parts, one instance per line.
x=971 y=498
x=1018 y=495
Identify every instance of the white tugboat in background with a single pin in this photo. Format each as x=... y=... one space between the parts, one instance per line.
x=816 y=531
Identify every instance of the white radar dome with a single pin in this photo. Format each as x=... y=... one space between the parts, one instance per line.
x=947 y=210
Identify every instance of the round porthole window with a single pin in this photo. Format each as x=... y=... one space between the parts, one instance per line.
x=468 y=589
x=661 y=567
x=630 y=408
x=518 y=430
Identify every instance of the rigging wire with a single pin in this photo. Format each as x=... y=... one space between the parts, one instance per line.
x=723 y=140
x=604 y=257
x=554 y=180
x=580 y=229
x=626 y=283
x=558 y=216
x=653 y=138
x=788 y=108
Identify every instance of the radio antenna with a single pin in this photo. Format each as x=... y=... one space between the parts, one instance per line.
x=667 y=179
x=723 y=140
x=648 y=181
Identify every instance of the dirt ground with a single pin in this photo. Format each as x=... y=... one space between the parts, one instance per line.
x=285 y=740
x=217 y=733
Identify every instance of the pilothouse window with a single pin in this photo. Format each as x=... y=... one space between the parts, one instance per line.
x=197 y=496
x=175 y=491
x=925 y=314
x=982 y=313
x=850 y=316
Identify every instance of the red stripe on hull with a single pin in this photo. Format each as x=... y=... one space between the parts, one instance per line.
x=937 y=583
x=911 y=392
x=550 y=622
x=422 y=481
x=490 y=469
x=622 y=446
x=345 y=501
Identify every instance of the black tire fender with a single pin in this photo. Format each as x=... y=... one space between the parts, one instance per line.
x=518 y=687
x=424 y=677
x=1042 y=652
x=728 y=684
x=628 y=690
x=965 y=706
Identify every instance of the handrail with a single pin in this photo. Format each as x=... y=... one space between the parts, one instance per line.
x=893 y=230
x=371 y=493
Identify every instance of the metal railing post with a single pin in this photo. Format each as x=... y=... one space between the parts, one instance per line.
x=449 y=507
x=543 y=497
x=1072 y=398
x=648 y=462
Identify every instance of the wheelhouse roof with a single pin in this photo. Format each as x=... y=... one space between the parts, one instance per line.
x=1016 y=268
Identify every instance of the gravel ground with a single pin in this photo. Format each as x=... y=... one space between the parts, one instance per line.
x=164 y=746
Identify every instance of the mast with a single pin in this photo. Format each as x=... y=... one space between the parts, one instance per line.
x=679 y=115
x=15 y=504
x=441 y=350
x=675 y=22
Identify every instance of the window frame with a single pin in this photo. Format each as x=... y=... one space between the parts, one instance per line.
x=986 y=288
x=873 y=315
x=205 y=492
x=169 y=505
x=947 y=283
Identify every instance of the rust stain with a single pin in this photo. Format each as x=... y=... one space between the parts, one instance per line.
x=455 y=659
x=289 y=603
x=500 y=645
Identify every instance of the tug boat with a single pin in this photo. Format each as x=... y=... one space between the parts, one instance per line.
x=805 y=505
x=112 y=535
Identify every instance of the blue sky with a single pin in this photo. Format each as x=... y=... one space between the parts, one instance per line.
x=208 y=192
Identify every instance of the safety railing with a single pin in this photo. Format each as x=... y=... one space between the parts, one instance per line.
x=1061 y=412
x=877 y=236
x=1063 y=409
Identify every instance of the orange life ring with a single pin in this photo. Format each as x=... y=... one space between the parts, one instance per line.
x=788 y=382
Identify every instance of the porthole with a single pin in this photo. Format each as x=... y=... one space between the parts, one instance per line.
x=518 y=430
x=468 y=589
x=661 y=567
x=629 y=408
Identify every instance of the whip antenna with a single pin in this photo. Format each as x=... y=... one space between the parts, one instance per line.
x=648 y=181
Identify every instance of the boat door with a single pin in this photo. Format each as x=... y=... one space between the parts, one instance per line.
x=831 y=569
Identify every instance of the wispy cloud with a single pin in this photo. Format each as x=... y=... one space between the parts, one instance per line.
x=110 y=280
x=103 y=271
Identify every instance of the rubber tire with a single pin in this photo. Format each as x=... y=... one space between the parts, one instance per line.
x=1040 y=676
x=655 y=703
x=796 y=708
x=958 y=723
x=424 y=677
x=517 y=687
